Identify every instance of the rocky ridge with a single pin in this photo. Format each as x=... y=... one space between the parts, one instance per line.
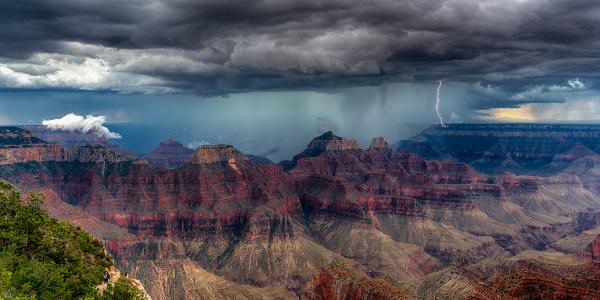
x=521 y=148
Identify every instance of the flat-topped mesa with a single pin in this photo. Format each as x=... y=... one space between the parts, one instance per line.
x=210 y=154
x=169 y=154
x=97 y=154
x=379 y=143
x=536 y=149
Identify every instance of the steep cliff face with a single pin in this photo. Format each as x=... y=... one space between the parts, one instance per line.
x=270 y=228
x=169 y=154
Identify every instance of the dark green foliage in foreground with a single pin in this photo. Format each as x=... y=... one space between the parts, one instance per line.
x=42 y=258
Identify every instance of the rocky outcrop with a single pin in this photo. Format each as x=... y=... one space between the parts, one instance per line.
x=169 y=154
x=342 y=281
x=114 y=276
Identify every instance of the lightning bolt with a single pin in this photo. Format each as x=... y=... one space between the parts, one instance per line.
x=437 y=104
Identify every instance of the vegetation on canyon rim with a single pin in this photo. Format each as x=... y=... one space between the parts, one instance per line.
x=43 y=258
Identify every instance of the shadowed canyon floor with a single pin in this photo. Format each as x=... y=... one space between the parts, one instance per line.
x=336 y=221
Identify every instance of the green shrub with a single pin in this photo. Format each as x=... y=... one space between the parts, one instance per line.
x=43 y=258
x=122 y=290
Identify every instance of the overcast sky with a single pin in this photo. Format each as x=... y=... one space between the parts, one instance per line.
x=346 y=64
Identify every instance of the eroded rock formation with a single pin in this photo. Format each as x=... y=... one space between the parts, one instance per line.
x=270 y=228
x=169 y=154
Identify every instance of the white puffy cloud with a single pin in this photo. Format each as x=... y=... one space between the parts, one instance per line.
x=88 y=124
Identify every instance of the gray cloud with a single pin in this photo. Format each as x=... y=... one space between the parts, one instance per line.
x=499 y=48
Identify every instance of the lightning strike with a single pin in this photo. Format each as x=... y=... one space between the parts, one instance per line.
x=437 y=104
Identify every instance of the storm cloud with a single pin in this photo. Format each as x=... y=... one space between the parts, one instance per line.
x=220 y=47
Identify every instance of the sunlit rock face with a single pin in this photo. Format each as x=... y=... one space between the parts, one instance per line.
x=269 y=229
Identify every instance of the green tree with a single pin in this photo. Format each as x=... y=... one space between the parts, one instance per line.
x=43 y=258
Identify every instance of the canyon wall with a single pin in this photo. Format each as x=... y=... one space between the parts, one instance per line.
x=270 y=229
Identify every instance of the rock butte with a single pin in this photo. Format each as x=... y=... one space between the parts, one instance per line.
x=169 y=154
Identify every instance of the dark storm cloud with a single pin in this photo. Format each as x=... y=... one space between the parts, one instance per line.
x=216 y=46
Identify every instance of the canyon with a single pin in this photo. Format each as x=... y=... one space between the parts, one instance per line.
x=453 y=213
